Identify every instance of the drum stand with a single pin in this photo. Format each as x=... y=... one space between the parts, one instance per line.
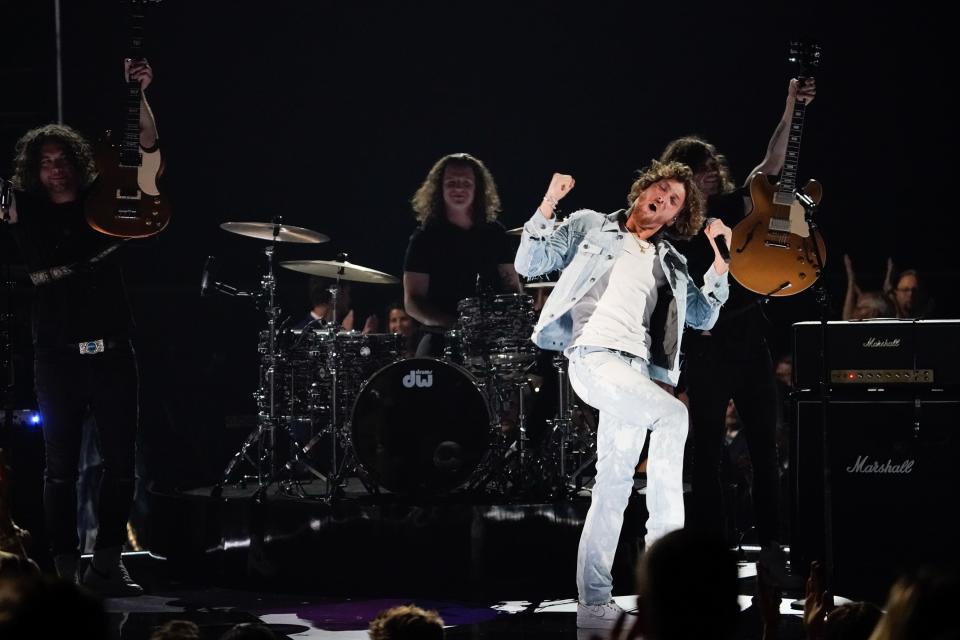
x=507 y=464
x=340 y=465
x=569 y=479
x=266 y=460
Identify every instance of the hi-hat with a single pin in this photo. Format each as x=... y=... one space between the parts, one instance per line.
x=343 y=270
x=270 y=231
x=539 y=285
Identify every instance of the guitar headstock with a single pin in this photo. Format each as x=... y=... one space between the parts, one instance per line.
x=806 y=55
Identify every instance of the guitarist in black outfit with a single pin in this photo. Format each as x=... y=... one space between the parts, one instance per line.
x=84 y=360
x=732 y=360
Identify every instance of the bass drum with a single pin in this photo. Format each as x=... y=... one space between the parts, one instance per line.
x=421 y=426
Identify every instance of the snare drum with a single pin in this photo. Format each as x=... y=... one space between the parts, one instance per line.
x=421 y=426
x=495 y=332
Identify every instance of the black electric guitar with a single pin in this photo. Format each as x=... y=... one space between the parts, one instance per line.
x=772 y=250
x=125 y=201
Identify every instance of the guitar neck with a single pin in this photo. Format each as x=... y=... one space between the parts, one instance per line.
x=791 y=161
x=130 y=145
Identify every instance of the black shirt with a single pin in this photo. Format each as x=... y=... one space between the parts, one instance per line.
x=741 y=315
x=90 y=303
x=460 y=262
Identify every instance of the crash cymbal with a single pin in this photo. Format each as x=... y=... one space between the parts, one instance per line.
x=266 y=230
x=515 y=232
x=345 y=270
x=539 y=285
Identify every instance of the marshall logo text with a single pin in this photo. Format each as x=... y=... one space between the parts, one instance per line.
x=884 y=343
x=863 y=465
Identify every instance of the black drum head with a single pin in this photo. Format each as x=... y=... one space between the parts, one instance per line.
x=421 y=426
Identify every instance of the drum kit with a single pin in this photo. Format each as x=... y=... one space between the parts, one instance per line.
x=334 y=405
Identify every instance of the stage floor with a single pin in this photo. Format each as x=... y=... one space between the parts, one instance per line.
x=306 y=615
x=471 y=547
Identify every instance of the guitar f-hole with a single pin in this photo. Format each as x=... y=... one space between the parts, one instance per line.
x=746 y=240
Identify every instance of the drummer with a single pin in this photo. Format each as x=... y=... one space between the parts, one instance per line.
x=321 y=307
x=459 y=250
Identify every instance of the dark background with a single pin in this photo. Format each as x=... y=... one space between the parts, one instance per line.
x=330 y=114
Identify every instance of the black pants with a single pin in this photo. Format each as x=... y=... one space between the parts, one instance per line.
x=69 y=385
x=717 y=370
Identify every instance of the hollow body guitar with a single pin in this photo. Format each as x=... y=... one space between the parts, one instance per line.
x=772 y=252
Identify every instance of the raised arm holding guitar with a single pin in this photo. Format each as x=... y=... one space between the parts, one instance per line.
x=774 y=253
x=125 y=201
x=64 y=182
x=139 y=71
x=732 y=360
x=802 y=91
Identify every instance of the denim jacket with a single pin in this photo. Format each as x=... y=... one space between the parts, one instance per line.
x=585 y=246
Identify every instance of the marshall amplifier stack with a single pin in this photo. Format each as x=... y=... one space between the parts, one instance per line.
x=879 y=484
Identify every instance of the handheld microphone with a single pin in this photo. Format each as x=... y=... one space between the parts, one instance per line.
x=721 y=244
x=205 y=278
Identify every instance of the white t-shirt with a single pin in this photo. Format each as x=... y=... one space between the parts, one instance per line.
x=615 y=312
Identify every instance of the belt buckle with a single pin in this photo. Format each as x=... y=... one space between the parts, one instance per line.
x=91 y=346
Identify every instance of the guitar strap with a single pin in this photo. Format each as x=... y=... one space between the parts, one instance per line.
x=52 y=274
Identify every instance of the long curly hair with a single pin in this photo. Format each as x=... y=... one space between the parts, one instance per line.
x=26 y=161
x=690 y=217
x=695 y=152
x=428 y=200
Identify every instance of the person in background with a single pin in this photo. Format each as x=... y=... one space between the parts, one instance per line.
x=458 y=251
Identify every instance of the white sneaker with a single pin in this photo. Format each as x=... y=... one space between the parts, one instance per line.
x=598 y=616
x=116 y=583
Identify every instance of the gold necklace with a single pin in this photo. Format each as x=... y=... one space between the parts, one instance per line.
x=643 y=243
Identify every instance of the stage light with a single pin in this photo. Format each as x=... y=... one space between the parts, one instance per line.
x=35 y=419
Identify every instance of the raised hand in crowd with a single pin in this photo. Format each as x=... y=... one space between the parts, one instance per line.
x=817 y=603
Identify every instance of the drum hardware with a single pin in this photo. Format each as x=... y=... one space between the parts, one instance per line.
x=554 y=467
x=334 y=388
x=492 y=340
x=267 y=462
x=503 y=470
x=562 y=422
x=340 y=270
x=518 y=477
x=570 y=480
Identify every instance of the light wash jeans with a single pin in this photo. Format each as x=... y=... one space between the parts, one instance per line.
x=630 y=403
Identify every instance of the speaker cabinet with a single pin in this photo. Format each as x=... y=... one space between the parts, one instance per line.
x=884 y=498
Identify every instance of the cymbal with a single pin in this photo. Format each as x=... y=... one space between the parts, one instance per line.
x=345 y=270
x=539 y=285
x=515 y=232
x=265 y=231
